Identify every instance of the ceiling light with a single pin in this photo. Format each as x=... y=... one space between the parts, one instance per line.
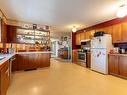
x=122 y=11
x=74 y=29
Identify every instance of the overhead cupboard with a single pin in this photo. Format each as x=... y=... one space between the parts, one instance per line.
x=117 y=31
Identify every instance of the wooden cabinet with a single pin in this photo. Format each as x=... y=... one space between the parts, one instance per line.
x=113 y=65
x=87 y=35
x=78 y=39
x=88 y=60
x=3 y=32
x=31 y=61
x=117 y=30
x=11 y=34
x=123 y=66
x=108 y=30
x=118 y=65
x=74 y=56
x=124 y=32
x=82 y=36
x=4 y=78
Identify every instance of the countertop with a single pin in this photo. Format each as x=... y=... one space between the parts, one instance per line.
x=8 y=56
x=117 y=54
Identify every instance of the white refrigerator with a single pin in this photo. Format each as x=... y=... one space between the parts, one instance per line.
x=100 y=47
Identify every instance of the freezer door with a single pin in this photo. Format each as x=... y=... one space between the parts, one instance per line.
x=99 y=42
x=99 y=60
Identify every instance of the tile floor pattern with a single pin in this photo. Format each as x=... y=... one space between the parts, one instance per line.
x=65 y=79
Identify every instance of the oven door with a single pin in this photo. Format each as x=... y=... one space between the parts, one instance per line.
x=82 y=58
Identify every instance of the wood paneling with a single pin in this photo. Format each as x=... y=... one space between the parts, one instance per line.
x=114 y=65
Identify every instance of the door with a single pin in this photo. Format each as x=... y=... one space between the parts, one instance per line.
x=99 y=60
x=113 y=65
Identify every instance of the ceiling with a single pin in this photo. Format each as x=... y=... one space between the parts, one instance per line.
x=61 y=15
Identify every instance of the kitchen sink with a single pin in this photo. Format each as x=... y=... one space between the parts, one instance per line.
x=1 y=58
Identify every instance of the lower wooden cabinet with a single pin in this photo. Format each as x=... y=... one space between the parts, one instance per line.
x=31 y=61
x=123 y=66
x=74 y=56
x=4 y=78
x=113 y=64
x=118 y=65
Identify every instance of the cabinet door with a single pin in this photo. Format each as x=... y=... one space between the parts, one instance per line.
x=74 y=56
x=82 y=36
x=5 y=78
x=11 y=34
x=123 y=66
x=108 y=30
x=3 y=32
x=117 y=33
x=78 y=39
x=46 y=60
x=124 y=32
x=23 y=61
x=88 y=35
x=113 y=65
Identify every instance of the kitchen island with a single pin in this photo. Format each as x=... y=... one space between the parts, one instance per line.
x=20 y=61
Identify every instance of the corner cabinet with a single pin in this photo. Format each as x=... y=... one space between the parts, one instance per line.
x=118 y=65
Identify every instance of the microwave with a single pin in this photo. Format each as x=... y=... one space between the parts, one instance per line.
x=86 y=42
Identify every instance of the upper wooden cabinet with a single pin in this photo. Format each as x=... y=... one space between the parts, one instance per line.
x=3 y=32
x=108 y=30
x=11 y=34
x=88 y=35
x=78 y=39
x=124 y=32
x=117 y=30
x=82 y=36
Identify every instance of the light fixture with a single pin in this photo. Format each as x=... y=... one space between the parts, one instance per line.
x=74 y=29
x=122 y=11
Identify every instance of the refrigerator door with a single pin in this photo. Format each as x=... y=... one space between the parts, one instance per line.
x=99 y=60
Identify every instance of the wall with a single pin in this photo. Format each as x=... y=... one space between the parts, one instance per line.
x=100 y=25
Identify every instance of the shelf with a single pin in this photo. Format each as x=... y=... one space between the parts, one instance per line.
x=33 y=35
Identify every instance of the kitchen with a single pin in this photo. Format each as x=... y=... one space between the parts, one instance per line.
x=53 y=52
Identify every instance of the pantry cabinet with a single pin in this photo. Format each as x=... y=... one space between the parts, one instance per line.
x=118 y=65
